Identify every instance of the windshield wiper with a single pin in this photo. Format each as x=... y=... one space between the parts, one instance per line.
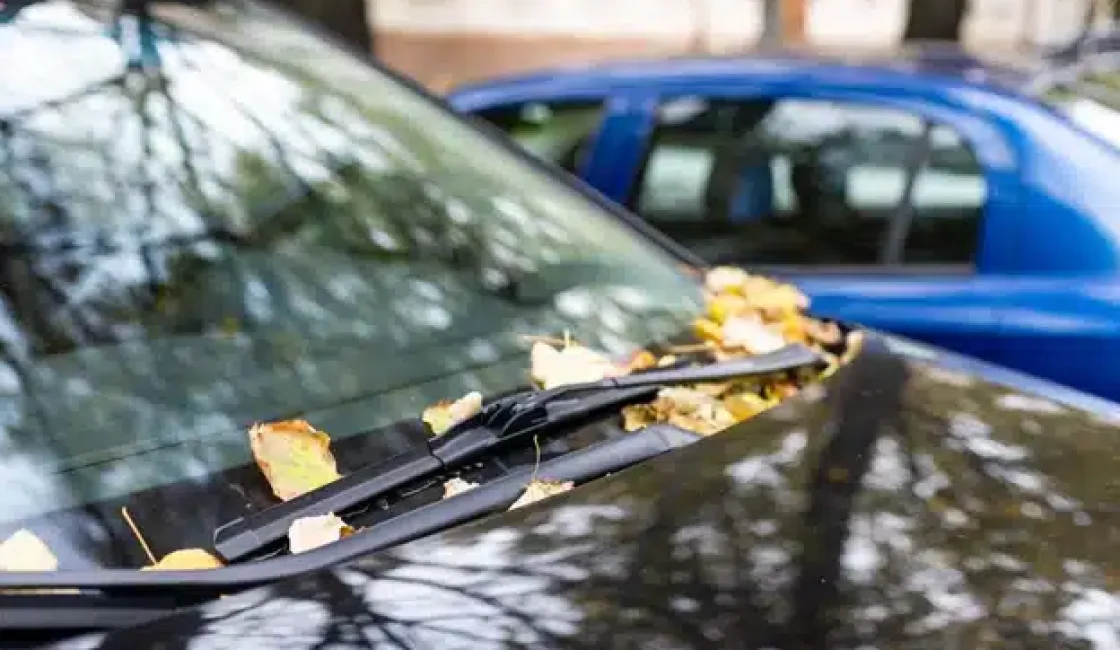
x=517 y=417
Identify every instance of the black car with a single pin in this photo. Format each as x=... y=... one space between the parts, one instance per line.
x=211 y=217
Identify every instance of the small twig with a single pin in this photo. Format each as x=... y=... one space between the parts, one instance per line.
x=688 y=347
x=537 y=464
x=139 y=537
x=535 y=338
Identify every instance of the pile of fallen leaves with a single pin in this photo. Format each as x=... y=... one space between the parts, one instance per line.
x=744 y=315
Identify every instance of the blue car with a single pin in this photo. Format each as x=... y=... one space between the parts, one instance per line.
x=956 y=201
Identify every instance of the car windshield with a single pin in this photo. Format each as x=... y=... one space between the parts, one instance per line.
x=1090 y=99
x=214 y=219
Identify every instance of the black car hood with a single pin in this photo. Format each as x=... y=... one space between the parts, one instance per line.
x=909 y=502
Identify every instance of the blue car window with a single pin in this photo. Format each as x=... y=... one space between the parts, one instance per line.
x=807 y=182
x=560 y=133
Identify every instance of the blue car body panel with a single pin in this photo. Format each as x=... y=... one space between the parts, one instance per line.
x=1044 y=296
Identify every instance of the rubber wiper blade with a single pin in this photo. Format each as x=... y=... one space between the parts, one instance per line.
x=254 y=534
x=516 y=417
x=527 y=414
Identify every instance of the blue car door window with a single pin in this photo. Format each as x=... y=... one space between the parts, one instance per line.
x=807 y=182
x=558 y=132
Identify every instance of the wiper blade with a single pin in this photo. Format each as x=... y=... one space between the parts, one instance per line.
x=526 y=414
x=126 y=597
x=517 y=417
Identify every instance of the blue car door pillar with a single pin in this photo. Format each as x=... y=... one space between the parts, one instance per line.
x=621 y=144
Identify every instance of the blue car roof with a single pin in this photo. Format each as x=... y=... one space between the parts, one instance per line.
x=944 y=63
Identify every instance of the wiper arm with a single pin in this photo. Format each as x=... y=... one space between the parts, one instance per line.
x=516 y=417
x=526 y=414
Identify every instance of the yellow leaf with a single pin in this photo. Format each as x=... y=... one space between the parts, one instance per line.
x=574 y=364
x=443 y=415
x=186 y=559
x=641 y=360
x=294 y=457
x=744 y=405
x=538 y=489
x=725 y=279
x=457 y=486
x=721 y=307
x=307 y=533
x=707 y=330
x=23 y=551
x=750 y=334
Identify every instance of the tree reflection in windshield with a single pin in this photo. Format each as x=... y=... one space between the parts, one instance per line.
x=196 y=237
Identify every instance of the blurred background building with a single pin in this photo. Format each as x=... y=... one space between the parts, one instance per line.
x=443 y=42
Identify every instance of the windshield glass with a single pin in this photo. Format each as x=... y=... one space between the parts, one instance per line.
x=214 y=220
x=1091 y=101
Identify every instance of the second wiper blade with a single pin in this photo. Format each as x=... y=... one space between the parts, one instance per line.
x=514 y=417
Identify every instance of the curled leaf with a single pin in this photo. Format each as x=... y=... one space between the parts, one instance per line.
x=443 y=415
x=457 y=486
x=186 y=559
x=23 y=551
x=573 y=364
x=538 y=489
x=307 y=533
x=294 y=457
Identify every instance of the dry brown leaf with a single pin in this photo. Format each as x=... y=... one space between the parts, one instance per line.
x=443 y=415
x=294 y=457
x=539 y=489
x=187 y=559
x=686 y=407
x=457 y=486
x=637 y=416
x=307 y=533
x=23 y=551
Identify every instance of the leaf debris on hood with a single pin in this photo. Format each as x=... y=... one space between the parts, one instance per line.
x=457 y=486
x=24 y=551
x=307 y=533
x=441 y=416
x=187 y=559
x=539 y=489
x=294 y=457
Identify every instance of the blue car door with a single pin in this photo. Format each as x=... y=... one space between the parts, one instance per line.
x=874 y=205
